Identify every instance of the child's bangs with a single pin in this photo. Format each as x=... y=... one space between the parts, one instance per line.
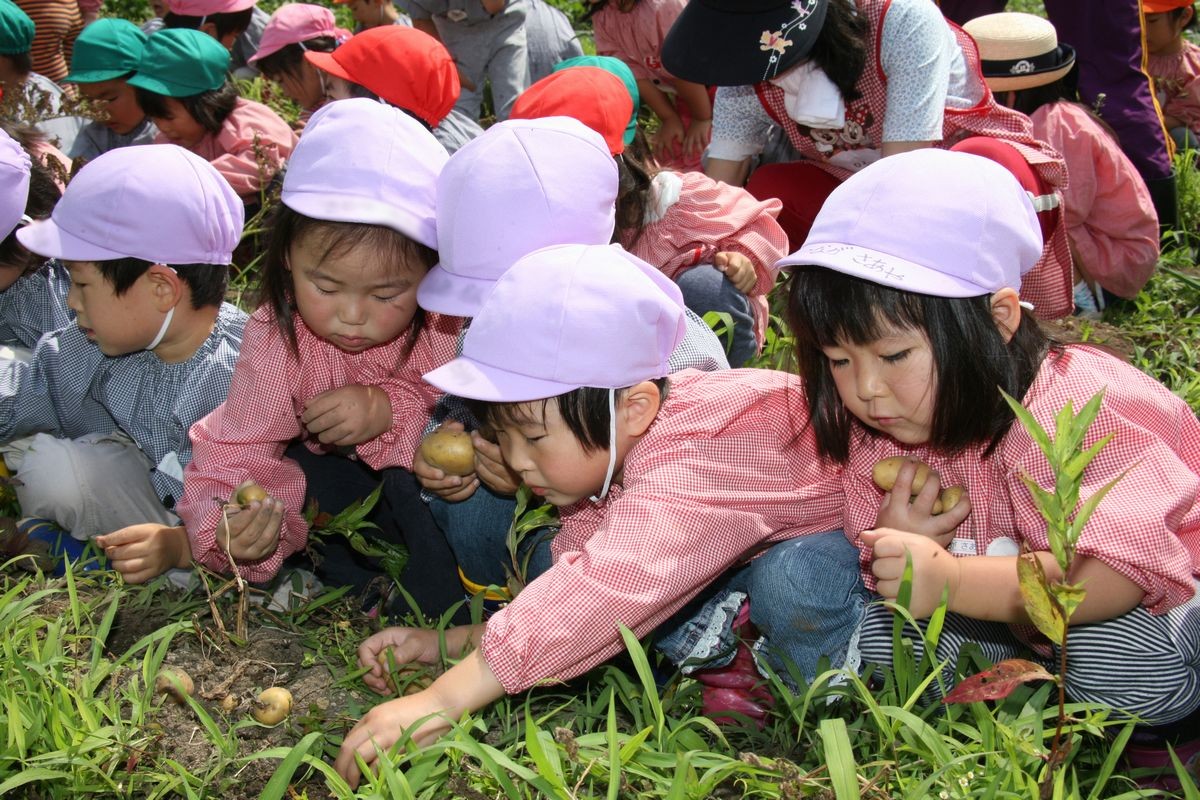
x=826 y=308
x=532 y=412
x=389 y=247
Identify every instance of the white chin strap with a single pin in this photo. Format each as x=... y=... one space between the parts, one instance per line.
x=162 y=331
x=612 y=447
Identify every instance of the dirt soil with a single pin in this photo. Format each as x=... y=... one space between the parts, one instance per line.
x=220 y=669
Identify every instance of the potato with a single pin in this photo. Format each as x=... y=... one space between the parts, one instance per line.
x=449 y=451
x=229 y=703
x=175 y=683
x=272 y=705
x=248 y=493
x=948 y=499
x=884 y=473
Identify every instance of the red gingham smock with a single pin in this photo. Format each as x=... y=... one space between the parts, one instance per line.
x=1147 y=528
x=1177 y=83
x=636 y=37
x=726 y=469
x=1049 y=285
x=710 y=217
x=245 y=437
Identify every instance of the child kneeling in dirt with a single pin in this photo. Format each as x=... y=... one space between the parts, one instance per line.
x=95 y=423
x=663 y=486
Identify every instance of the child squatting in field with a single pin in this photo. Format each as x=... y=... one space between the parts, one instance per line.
x=903 y=333
x=663 y=485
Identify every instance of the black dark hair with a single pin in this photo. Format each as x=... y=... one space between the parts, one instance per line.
x=43 y=195
x=358 y=90
x=584 y=411
x=226 y=23
x=287 y=59
x=635 y=187
x=287 y=227
x=1176 y=13
x=971 y=359
x=593 y=8
x=22 y=63
x=206 y=281
x=1066 y=88
x=210 y=109
x=840 y=50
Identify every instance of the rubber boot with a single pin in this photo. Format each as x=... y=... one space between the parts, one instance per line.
x=737 y=687
x=1164 y=193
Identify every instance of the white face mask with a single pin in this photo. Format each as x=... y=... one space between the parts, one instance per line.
x=810 y=98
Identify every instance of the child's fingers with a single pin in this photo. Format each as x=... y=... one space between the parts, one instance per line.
x=319 y=405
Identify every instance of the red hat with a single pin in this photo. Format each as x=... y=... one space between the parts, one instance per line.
x=592 y=95
x=404 y=66
x=1159 y=6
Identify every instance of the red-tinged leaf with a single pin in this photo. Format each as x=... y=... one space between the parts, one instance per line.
x=997 y=682
x=1041 y=603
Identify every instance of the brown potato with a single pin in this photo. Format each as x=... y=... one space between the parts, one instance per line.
x=884 y=473
x=412 y=677
x=272 y=705
x=948 y=499
x=249 y=493
x=449 y=451
x=175 y=683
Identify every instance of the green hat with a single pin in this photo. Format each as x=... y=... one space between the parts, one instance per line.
x=108 y=48
x=16 y=29
x=181 y=62
x=619 y=68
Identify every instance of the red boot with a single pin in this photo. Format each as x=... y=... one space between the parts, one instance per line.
x=736 y=687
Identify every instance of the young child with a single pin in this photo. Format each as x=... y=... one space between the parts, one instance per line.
x=521 y=186
x=374 y=14
x=95 y=423
x=33 y=291
x=1111 y=222
x=332 y=360
x=550 y=38
x=907 y=322
x=487 y=39
x=296 y=29
x=405 y=67
x=662 y=484
x=633 y=31
x=237 y=24
x=1174 y=65
x=182 y=86
x=27 y=95
x=716 y=241
x=106 y=55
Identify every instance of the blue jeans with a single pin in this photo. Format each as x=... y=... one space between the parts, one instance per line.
x=807 y=599
x=477 y=530
x=705 y=288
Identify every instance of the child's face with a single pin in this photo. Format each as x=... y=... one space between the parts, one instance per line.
x=366 y=12
x=888 y=384
x=117 y=324
x=1163 y=32
x=117 y=103
x=548 y=457
x=179 y=126
x=302 y=86
x=349 y=298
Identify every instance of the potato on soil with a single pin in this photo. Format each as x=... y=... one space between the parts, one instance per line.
x=884 y=473
x=175 y=683
x=248 y=493
x=449 y=451
x=272 y=705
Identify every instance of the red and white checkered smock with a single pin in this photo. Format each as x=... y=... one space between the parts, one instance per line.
x=245 y=437
x=1146 y=528
x=1049 y=285
x=695 y=217
x=727 y=468
x=636 y=36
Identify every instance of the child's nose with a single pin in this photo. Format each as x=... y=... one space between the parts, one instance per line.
x=353 y=311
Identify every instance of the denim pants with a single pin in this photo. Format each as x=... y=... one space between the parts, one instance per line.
x=705 y=288
x=477 y=529
x=807 y=600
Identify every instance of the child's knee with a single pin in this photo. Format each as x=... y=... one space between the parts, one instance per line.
x=49 y=486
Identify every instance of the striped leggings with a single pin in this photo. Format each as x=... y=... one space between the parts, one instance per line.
x=1140 y=663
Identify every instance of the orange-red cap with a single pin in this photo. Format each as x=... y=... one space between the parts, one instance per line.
x=1159 y=6
x=592 y=95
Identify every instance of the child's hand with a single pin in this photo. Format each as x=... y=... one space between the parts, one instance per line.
x=348 y=415
x=253 y=530
x=142 y=552
x=933 y=568
x=699 y=131
x=386 y=724
x=451 y=488
x=901 y=511
x=669 y=134
x=491 y=468
x=738 y=269
x=406 y=644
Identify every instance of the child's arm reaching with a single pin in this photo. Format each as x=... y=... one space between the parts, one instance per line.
x=670 y=129
x=699 y=130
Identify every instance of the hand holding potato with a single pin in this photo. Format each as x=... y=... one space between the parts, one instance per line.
x=918 y=510
x=250 y=532
x=449 y=487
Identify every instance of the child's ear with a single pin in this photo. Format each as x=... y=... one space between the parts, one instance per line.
x=166 y=286
x=639 y=407
x=1006 y=312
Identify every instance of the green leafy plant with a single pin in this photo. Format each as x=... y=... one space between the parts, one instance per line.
x=527 y=521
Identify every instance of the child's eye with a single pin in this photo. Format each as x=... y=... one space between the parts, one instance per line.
x=533 y=439
x=896 y=358
x=321 y=290
x=835 y=363
x=385 y=298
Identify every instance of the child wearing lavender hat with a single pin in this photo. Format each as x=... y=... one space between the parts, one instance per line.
x=663 y=484
x=95 y=422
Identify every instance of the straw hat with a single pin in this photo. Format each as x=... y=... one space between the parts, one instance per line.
x=1019 y=51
